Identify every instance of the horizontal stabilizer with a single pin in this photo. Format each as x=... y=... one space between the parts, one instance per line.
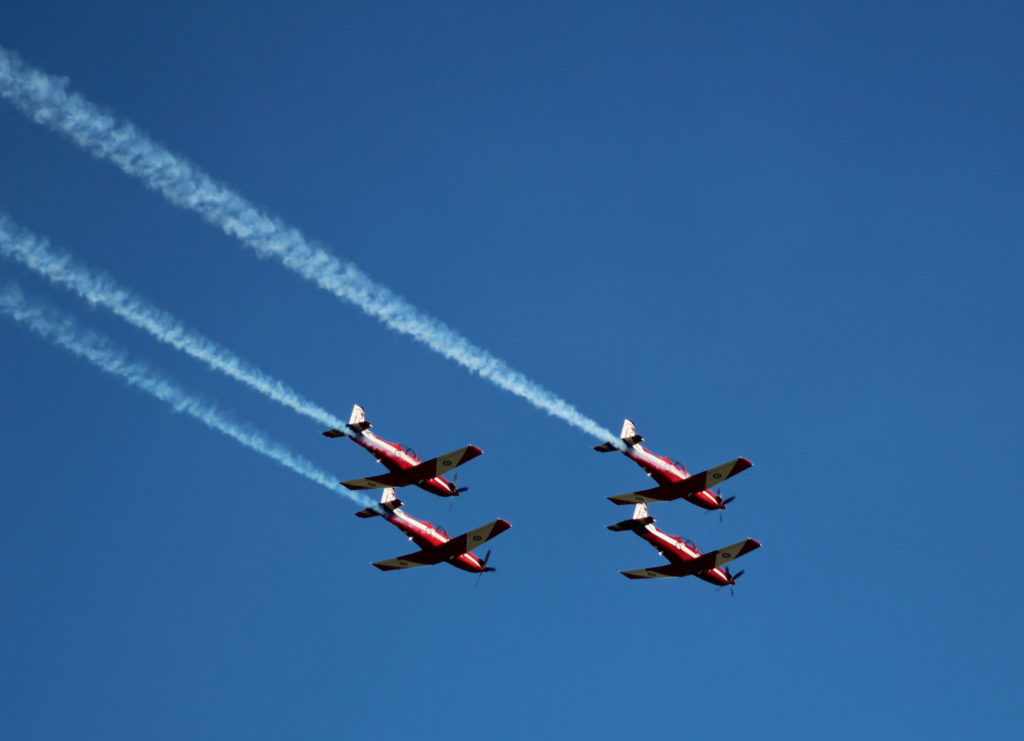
x=609 y=447
x=687 y=487
x=356 y=424
x=422 y=472
x=388 y=503
x=632 y=524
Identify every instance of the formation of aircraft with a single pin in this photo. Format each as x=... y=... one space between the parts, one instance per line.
x=674 y=482
x=435 y=544
x=404 y=465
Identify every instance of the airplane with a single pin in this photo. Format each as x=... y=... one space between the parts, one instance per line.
x=405 y=466
x=435 y=545
x=683 y=556
x=674 y=482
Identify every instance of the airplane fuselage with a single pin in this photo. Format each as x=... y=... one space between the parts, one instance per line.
x=426 y=535
x=677 y=550
x=666 y=471
x=396 y=459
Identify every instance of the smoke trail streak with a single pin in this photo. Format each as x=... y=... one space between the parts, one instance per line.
x=46 y=100
x=63 y=331
x=59 y=268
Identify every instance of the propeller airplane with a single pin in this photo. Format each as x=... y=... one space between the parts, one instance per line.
x=684 y=558
x=404 y=465
x=674 y=481
x=435 y=544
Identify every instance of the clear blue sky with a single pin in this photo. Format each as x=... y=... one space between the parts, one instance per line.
x=783 y=231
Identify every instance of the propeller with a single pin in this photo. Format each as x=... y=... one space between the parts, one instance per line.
x=732 y=579
x=487 y=568
x=723 y=502
x=455 y=485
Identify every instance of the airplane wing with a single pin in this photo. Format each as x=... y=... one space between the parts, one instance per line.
x=686 y=487
x=705 y=562
x=409 y=561
x=722 y=556
x=473 y=539
x=656 y=572
x=421 y=472
x=380 y=482
x=455 y=547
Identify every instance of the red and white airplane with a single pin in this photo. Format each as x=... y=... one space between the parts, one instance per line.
x=405 y=466
x=683 y=556
x=674 y=482
x=435 y=545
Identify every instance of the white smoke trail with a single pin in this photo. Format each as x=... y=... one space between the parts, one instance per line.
x=59 y=268
x=46 y=100
x=63 y=331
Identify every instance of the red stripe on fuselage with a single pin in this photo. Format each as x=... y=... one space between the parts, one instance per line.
x=661 y=469
x=665 y=472
x=422 y=533
x=396 y=459
x=669 y=546
x=678 y=552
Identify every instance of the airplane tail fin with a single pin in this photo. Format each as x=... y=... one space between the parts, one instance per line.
x=357 y=420
x=388 y=502
x=628 y=433
x=639 y=521
x=628 y=436
x=356 y=423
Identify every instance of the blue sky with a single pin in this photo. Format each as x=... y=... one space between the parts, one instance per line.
x=785 y=232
